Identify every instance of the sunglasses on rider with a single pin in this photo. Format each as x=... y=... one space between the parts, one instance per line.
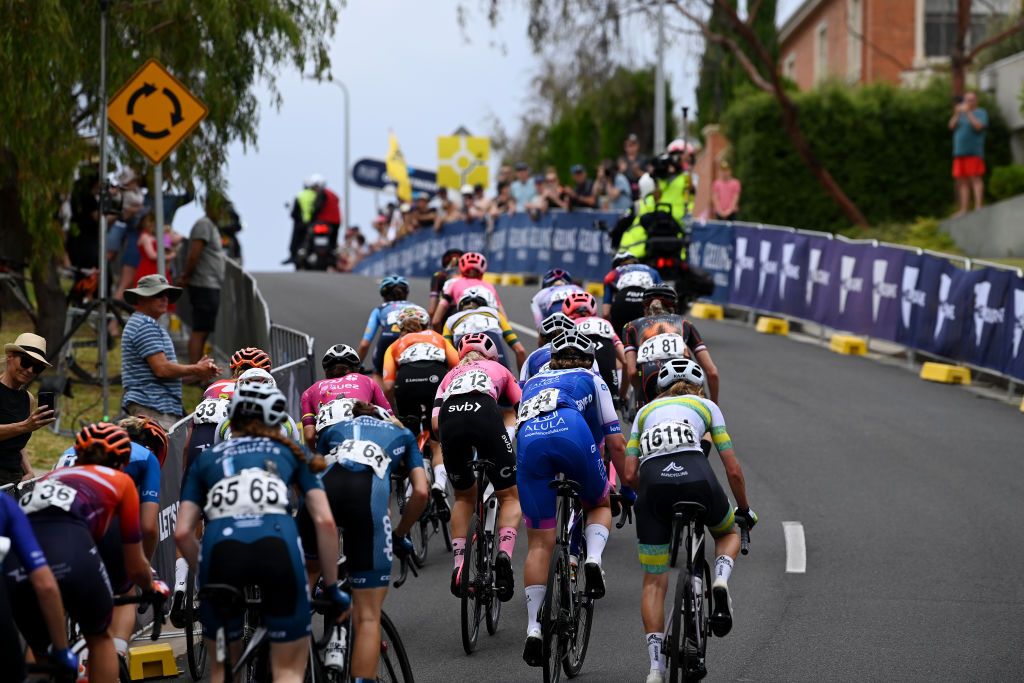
x=30 y=363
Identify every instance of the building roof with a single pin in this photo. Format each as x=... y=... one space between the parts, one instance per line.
x=798 y=17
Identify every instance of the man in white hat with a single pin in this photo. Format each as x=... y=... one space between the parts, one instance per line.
x=19 y=414
x=150 y=371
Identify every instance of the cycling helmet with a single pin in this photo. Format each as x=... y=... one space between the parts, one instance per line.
x=448 y=255
x=555 y=324
x=472 y=261
x=553 y=276
x=646 y=185
x=340 y=353
x=473 y=295
x=113 y=440
x=250 y=357
x=414 y=313
x=579 y=305
x=391 y=282
x=678 y=146
x=660 y=291
x=147 y=432
x=255 y=376
x=621 y=257
x=480 y=342
x=261 y=401
x=571 y=343
x=680 y=370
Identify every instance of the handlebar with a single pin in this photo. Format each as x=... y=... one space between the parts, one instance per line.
x=626 y=515
x=744 y=537
x=144 y=600
x=406 y=566
x=331 y=614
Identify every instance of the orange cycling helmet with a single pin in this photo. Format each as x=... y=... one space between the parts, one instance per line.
x=250 y=357
x=472 y=261
x=479 y=342
x=579 y=305
x=113 y=441
x=154 y=438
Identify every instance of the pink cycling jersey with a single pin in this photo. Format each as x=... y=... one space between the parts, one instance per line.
x=352 y=385
x=598 y=326
x=454 y=289
x=503 y=382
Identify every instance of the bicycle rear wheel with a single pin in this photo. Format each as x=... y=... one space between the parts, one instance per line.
x=582 y=616
x=420 y=539
x=394 y=662
x=551 y=620
x=470 y=589
x=493 y=610
x=674 y=638
x=195 y=646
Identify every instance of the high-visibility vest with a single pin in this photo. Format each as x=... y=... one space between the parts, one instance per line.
x=677 y=193
x=634 y=239
x=306 y=199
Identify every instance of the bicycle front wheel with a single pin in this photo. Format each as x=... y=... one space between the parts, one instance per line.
x=394 y=662
x=470 y=589
x=195 y=645
x=582 y=616
x=493 y=603
x=551 y=620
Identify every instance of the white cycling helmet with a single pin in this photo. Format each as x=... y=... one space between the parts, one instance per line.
x=414 y=313
x=556 y=323
x=646 y=185
x=256 y=376
x=680 y=370
x=316 y=180
x=340 y=353
x=572 y=342
x=261 y=401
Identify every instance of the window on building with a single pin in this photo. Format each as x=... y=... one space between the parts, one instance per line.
x=940 y=23
x=821 y=52
x=789 y=67
x=854 y=39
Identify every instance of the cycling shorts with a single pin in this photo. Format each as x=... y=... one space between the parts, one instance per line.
x=111 y=551
x=604 y=354
x=559 y=441
x=469 y=421
x=386 y=340
x=270 y=557
x=665 y=481
x=360 y=505
x=11 y=650
x=76 y=564
x=627 y=306
x=415 y=388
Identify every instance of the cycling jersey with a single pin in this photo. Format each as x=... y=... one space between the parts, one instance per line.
x=91 y=494
x=455 y=289
x=289 y=430
x=485 y=319
x=659 y=338
x=563 y=419
x=418 y=347
x=384 y=318
x=14 y=525
x=143 y=467
x=676 y=424
x=250 y=536
x=352 y=385
x=632 y=276
x=539 y=361
x=362 y=455
x=549 y=300
x=478 y=377
x=202 y=434
x=440 y=278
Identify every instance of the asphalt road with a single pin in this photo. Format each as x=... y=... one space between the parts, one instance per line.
x=907 y=492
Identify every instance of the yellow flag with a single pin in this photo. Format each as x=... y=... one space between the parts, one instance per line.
x=397 y=170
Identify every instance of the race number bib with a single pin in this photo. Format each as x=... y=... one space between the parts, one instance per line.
x=544 y=402
x=661 y=347
x=333 y=412
x=559 y=295
x=635 y=278
x=668 y=437
x=48 y=494
x=421 y=352
x=472 y=381
x=362 y=453
x=596 y=326
x=477 y=322
x=392 y=319
x=252 y=491
x=211 y=411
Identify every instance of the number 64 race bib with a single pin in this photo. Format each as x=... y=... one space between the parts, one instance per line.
x=362 y=453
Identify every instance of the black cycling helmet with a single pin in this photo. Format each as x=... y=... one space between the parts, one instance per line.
x=449 y=255
x=662 y=291
x=622 y=257
x=340 y=353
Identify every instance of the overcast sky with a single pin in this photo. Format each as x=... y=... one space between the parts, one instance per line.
x=410 y=69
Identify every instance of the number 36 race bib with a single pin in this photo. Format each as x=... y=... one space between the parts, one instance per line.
x=46 y=494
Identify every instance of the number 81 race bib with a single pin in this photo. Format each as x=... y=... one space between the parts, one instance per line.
x=662 y=347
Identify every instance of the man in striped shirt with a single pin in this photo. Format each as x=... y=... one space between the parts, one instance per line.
x=150 y=372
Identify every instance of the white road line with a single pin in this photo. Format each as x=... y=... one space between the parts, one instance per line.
x=522 y=328
x=796 y=548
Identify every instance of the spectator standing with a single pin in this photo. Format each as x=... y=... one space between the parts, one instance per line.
x=635 y=164
x=504 y=175
x=424 y=216
x=503 y=203
x=150 y=371
x=203 y=275
x=148 y=247
x=581 y=195
x=725 y=194
x=613 y=187
x=83 y=241
x=19 y=414
x=969 y=123
x=471 y=210
x=553 y=193
x=523 y=188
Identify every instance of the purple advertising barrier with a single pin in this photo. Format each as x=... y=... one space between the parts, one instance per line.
x=769 y=256
x=981 y=343
x=947 y=310
x=850 y=288
x=792 y=288
x=1013 y=328
x=887 y=266
x=821 y=291
x=914 y=297
x=745 y=267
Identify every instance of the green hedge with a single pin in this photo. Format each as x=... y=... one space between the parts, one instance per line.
x=1007 y=181
x=889 y=148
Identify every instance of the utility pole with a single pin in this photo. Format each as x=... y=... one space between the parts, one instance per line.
x=659 y=84
x=101 y=361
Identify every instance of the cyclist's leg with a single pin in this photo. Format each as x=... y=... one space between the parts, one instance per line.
x=366 y=606
x=276 y=566
x=288 y=660
x=459 y=425
x=653 y=532
x=112 y=552
x=535 y=469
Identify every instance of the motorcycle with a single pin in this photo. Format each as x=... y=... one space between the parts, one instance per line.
x=316 y=252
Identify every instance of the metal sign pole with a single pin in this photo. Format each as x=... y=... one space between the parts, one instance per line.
x=101 y=360
x=158 y=204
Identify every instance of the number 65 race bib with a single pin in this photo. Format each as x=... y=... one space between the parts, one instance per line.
x=662 y=347
x=253 y=491
x=668 y=437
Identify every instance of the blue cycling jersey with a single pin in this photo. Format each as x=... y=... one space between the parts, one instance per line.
x=538 y=361
x=630 y=275
x=15 y=526
x=577 y=389
x=397 y=443
x=143 y=467
x=384 y=318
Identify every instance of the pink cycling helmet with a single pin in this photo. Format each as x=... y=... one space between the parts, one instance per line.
x=472 y=261
x=479 y=342
x=579 y=305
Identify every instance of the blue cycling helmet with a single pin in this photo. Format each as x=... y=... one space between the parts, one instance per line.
x=392 y=281
x=554 y=275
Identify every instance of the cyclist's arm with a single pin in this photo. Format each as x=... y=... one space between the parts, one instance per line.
x=309 y=436
x=379 y=399
x=438 y=400
x=369 y=333
x=389 y=372
x=535 y=309
x=710 y=369
x=614 y=442
x=309 y=403
x=135 y=563
x=513 y=392
x=507 y=333
x=440 y=313
x=520 y=352
x=723 y=442
x=446 y=332
x=420 y=489
x=629 y=476
x=450 y=354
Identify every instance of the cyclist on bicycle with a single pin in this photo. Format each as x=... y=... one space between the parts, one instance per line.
x=395 y=290
x=241 y=488
x=362 y=454
x=665 y=458
x=476 y=315
x=70 y=510
x=16 y=533
x=555 y=286
x=581 y=307
x=467 y=416
x=565 y=416
x=472 y=266
x=449 y=270
x=659 y=336
x=413 y=368
x=552 y=326
x=289 y=429
x=340 y=364
x=241 y=360
x=624 y=289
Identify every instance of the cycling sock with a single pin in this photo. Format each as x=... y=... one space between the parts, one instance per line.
x=596 y=536
x=654 y=641
x=511 y=431
x=507 y=539
x=534 y=596
x=458 y=551
x=440 y=476
x=180 y=572
x=121 y=646
x=723 y=567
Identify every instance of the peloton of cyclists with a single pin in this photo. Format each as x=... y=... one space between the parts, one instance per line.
x=472 y=267
x=477 y=315
x=624 y=287
x=394 y=289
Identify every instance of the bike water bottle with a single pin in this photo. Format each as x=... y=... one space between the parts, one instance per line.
x=334 y=654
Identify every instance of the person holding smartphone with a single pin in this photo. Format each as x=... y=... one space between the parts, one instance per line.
x=20 y=415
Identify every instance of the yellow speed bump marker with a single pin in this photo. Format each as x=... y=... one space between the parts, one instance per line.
x=151 y=661
x=769 y=325
x=848 y=345
x=945 y=373
x=1022 y=406
x=493 y=278
x=596 y=288
x=705 y=311
x=512 y=279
